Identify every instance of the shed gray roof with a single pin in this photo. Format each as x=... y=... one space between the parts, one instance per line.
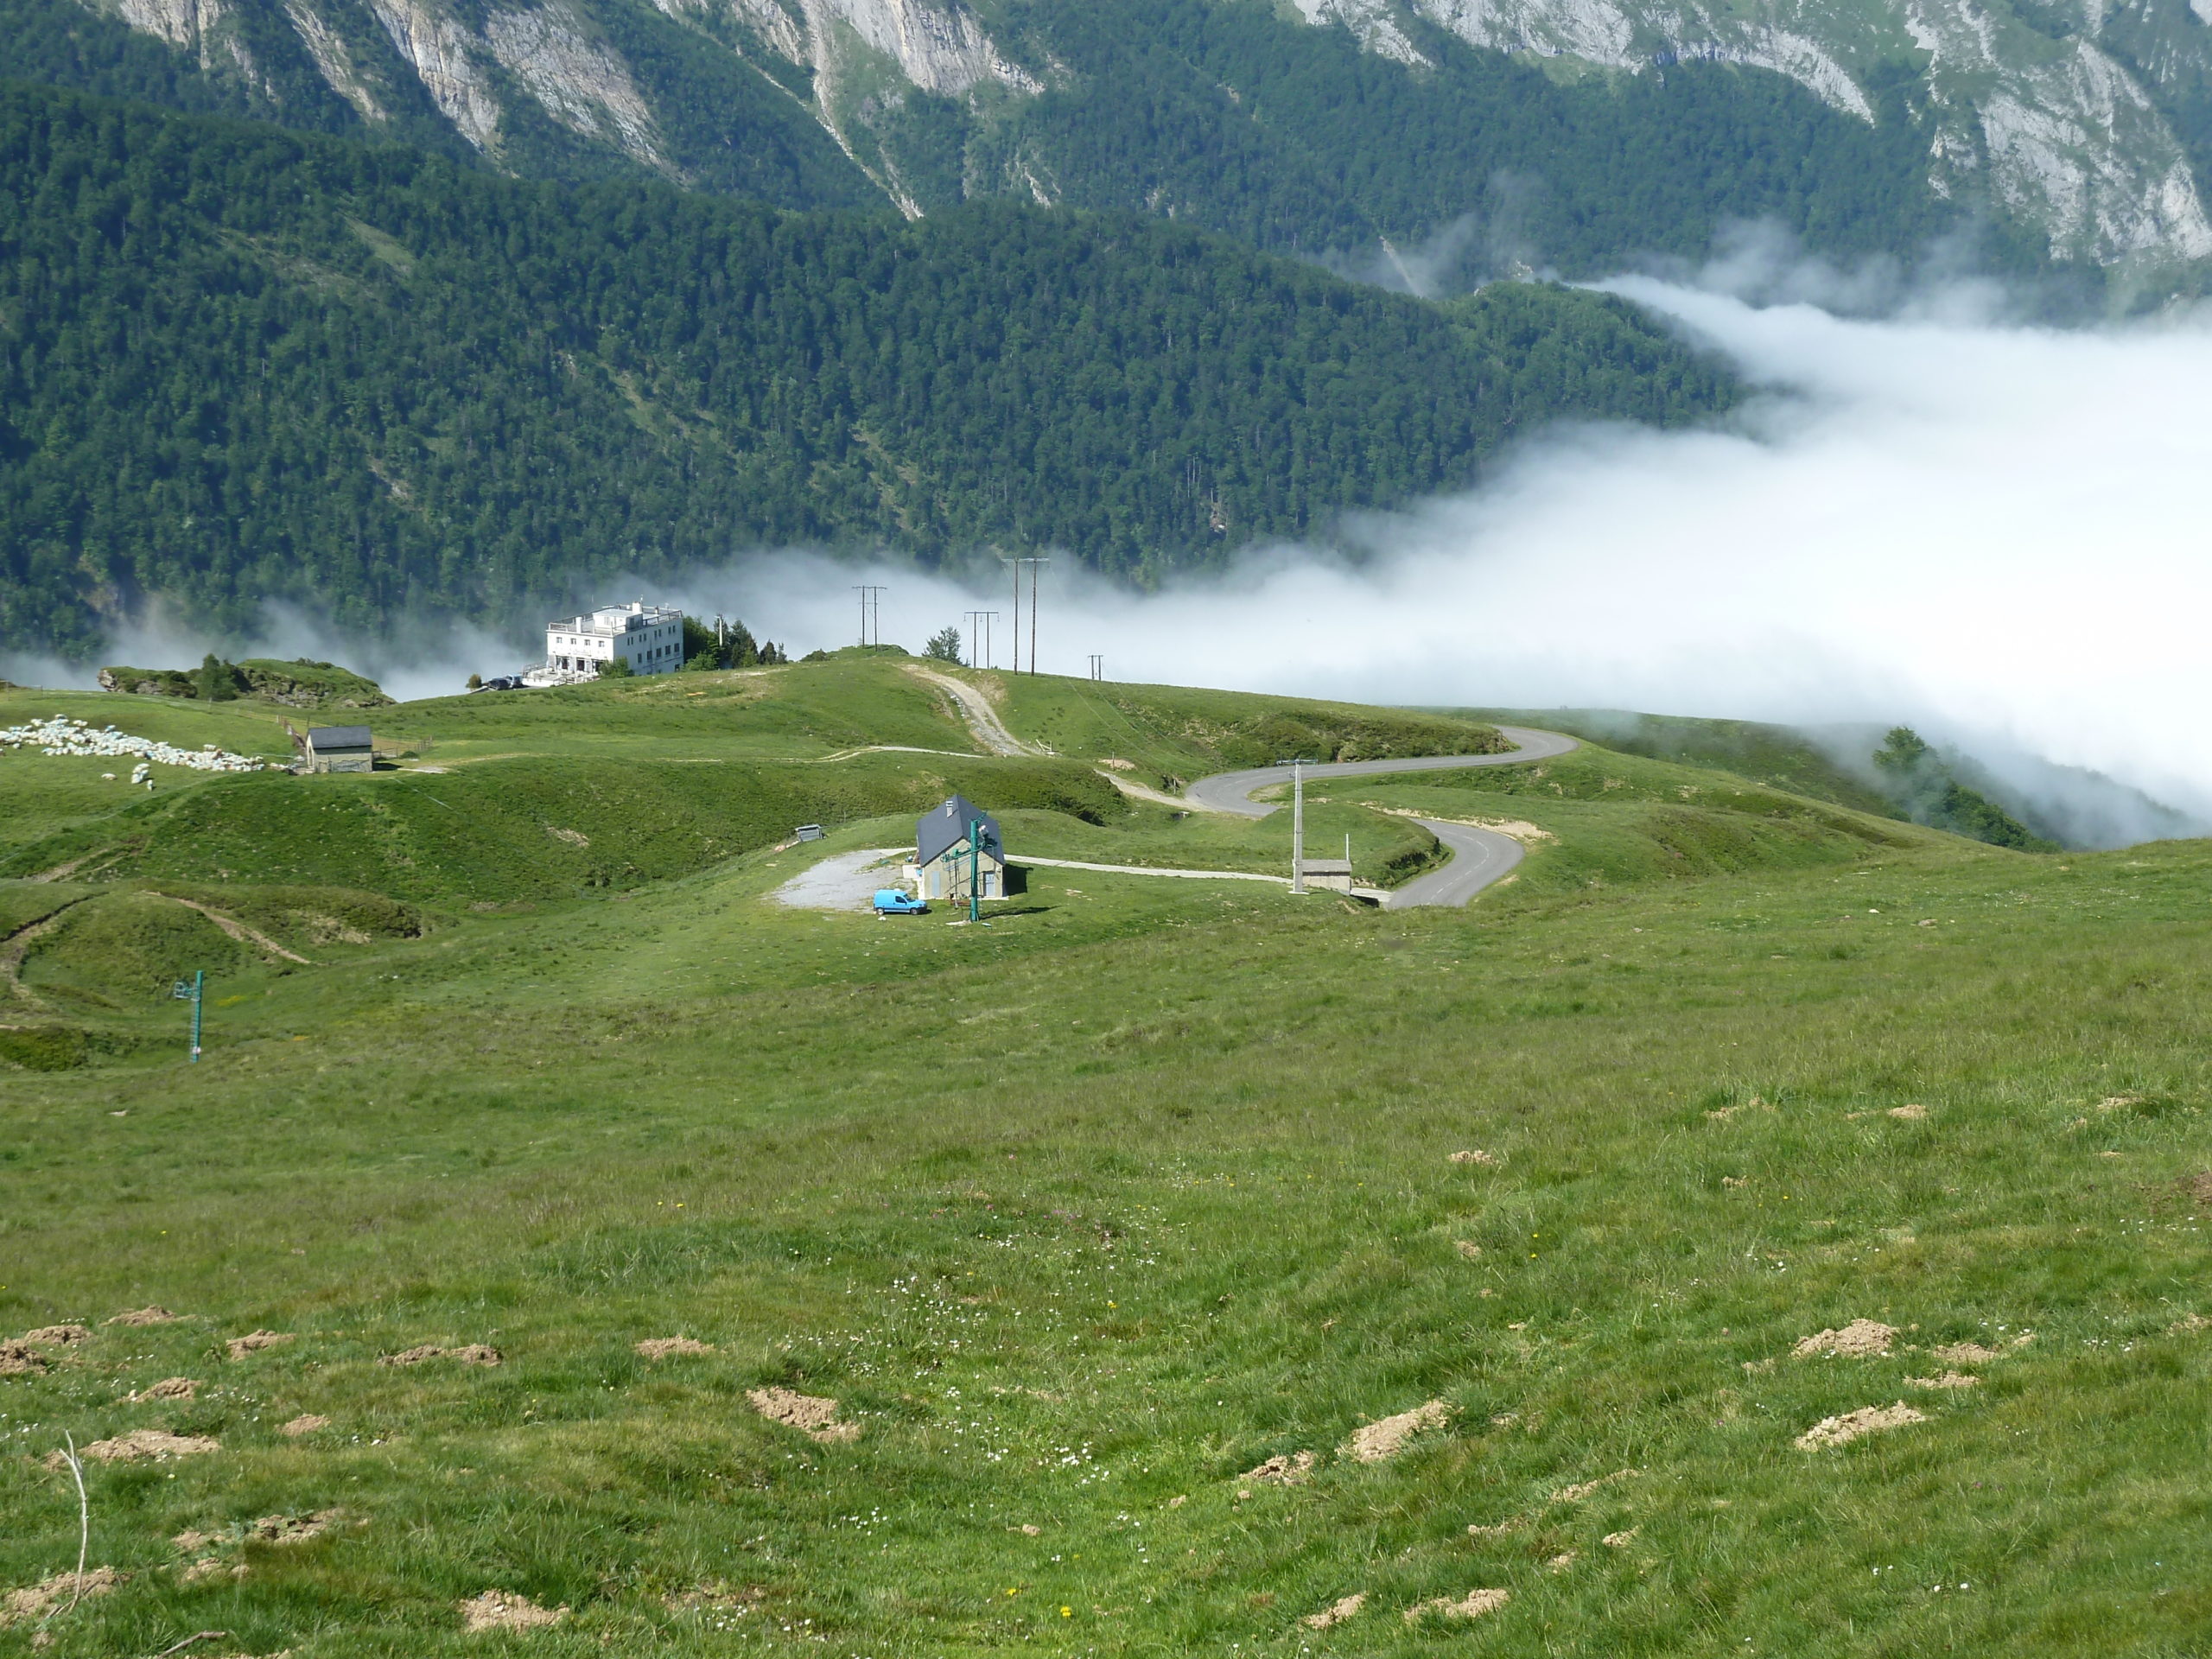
x=321 y=738
x=946 y=827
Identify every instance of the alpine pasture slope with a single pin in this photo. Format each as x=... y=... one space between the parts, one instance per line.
x=1118 y=1231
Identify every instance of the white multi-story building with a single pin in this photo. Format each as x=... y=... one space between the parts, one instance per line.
x=649 y=638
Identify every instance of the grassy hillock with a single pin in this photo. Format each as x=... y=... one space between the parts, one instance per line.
x=1171 y=734
x=297 y=683
x=1769 y=755
x=1595 y=817
x=1083 y=1215
x=532 y=828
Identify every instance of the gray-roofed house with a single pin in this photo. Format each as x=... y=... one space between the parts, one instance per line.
x=943 y=856
x=340 y=748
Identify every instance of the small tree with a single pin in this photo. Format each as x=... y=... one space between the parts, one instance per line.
x=945 y=646
x=476 y=682
x=215 y=680
x=614 y=668
x=1902 y=752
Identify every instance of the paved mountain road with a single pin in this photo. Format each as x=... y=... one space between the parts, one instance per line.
x=1479 y=857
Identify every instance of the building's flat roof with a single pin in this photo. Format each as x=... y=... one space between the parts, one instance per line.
x=616 y=618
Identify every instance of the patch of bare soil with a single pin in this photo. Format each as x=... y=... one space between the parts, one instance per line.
x=1860 y=1339
x=292 y=1529
x=496 y=1610
x=1283 y=1469
x=1561 y=1561
x=2119 y=1103
x=2200 y=1188
x=474 y=1354
x=147 y=1316
x=305 y=1424
x=1620 y=1540
x=1947 y=1380
x=169 y=1387
x=1857 y=1424
x=254 y=1341
x=1467 y=1248
x=663 y=1347
x=57 y=1336
x=2187 y=1324
x=211 y=1566
x=140 y=1443
x=1500 y=1529
x=1520 y=829
x=1576 y=1494
x=1908 y=1114
x=1335 y=1612
x=812 y=1414
x=1473 y=1605
x=37 y=1600
x=1476 y=1155
x=1377 y=1441
x=1973 y=1353
x=21 y=1359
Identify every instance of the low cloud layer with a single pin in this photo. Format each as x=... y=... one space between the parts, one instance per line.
x=1998 y=534
x=1995 y=533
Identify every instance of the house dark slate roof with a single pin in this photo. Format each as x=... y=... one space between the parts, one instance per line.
x=947 y=826
x=324 y=738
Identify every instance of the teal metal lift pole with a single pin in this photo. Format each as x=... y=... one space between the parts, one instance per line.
x=974 y=868
x=191 y=993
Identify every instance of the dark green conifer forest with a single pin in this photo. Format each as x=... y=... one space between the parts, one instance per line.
x=238 y=363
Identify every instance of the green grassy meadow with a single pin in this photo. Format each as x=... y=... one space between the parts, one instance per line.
x=1082 y=1215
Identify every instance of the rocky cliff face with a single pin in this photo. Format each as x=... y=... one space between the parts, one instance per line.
x=2089 y=121
x=2057 y=129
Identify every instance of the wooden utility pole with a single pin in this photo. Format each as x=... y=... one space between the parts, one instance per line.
x=979 y=627
x=870 y=611
x=1017 y=564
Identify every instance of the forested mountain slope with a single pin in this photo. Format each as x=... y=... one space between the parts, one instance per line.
x=1571 y=134
x=239 y=364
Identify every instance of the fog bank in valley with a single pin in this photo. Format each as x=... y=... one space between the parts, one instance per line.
x=1998 y=534
x=1995 y=533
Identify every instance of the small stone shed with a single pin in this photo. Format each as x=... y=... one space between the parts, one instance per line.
x=340 y=748
x=942 y=861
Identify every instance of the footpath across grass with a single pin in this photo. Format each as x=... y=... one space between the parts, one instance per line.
x=1083 y=1219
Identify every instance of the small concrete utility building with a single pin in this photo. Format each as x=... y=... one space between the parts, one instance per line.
x=340 y=748
x=942 y=853
x=1329 y=874
x=649 y=638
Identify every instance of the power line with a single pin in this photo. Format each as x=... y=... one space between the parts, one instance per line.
x=1017 y=564
x=979 y=622
x=871 y=611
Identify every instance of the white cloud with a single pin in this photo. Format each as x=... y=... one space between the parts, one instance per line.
x=1998 y=533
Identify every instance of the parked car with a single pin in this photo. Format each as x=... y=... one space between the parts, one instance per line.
x=891 y=901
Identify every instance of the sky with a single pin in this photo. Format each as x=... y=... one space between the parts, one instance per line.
x=1998 y=533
